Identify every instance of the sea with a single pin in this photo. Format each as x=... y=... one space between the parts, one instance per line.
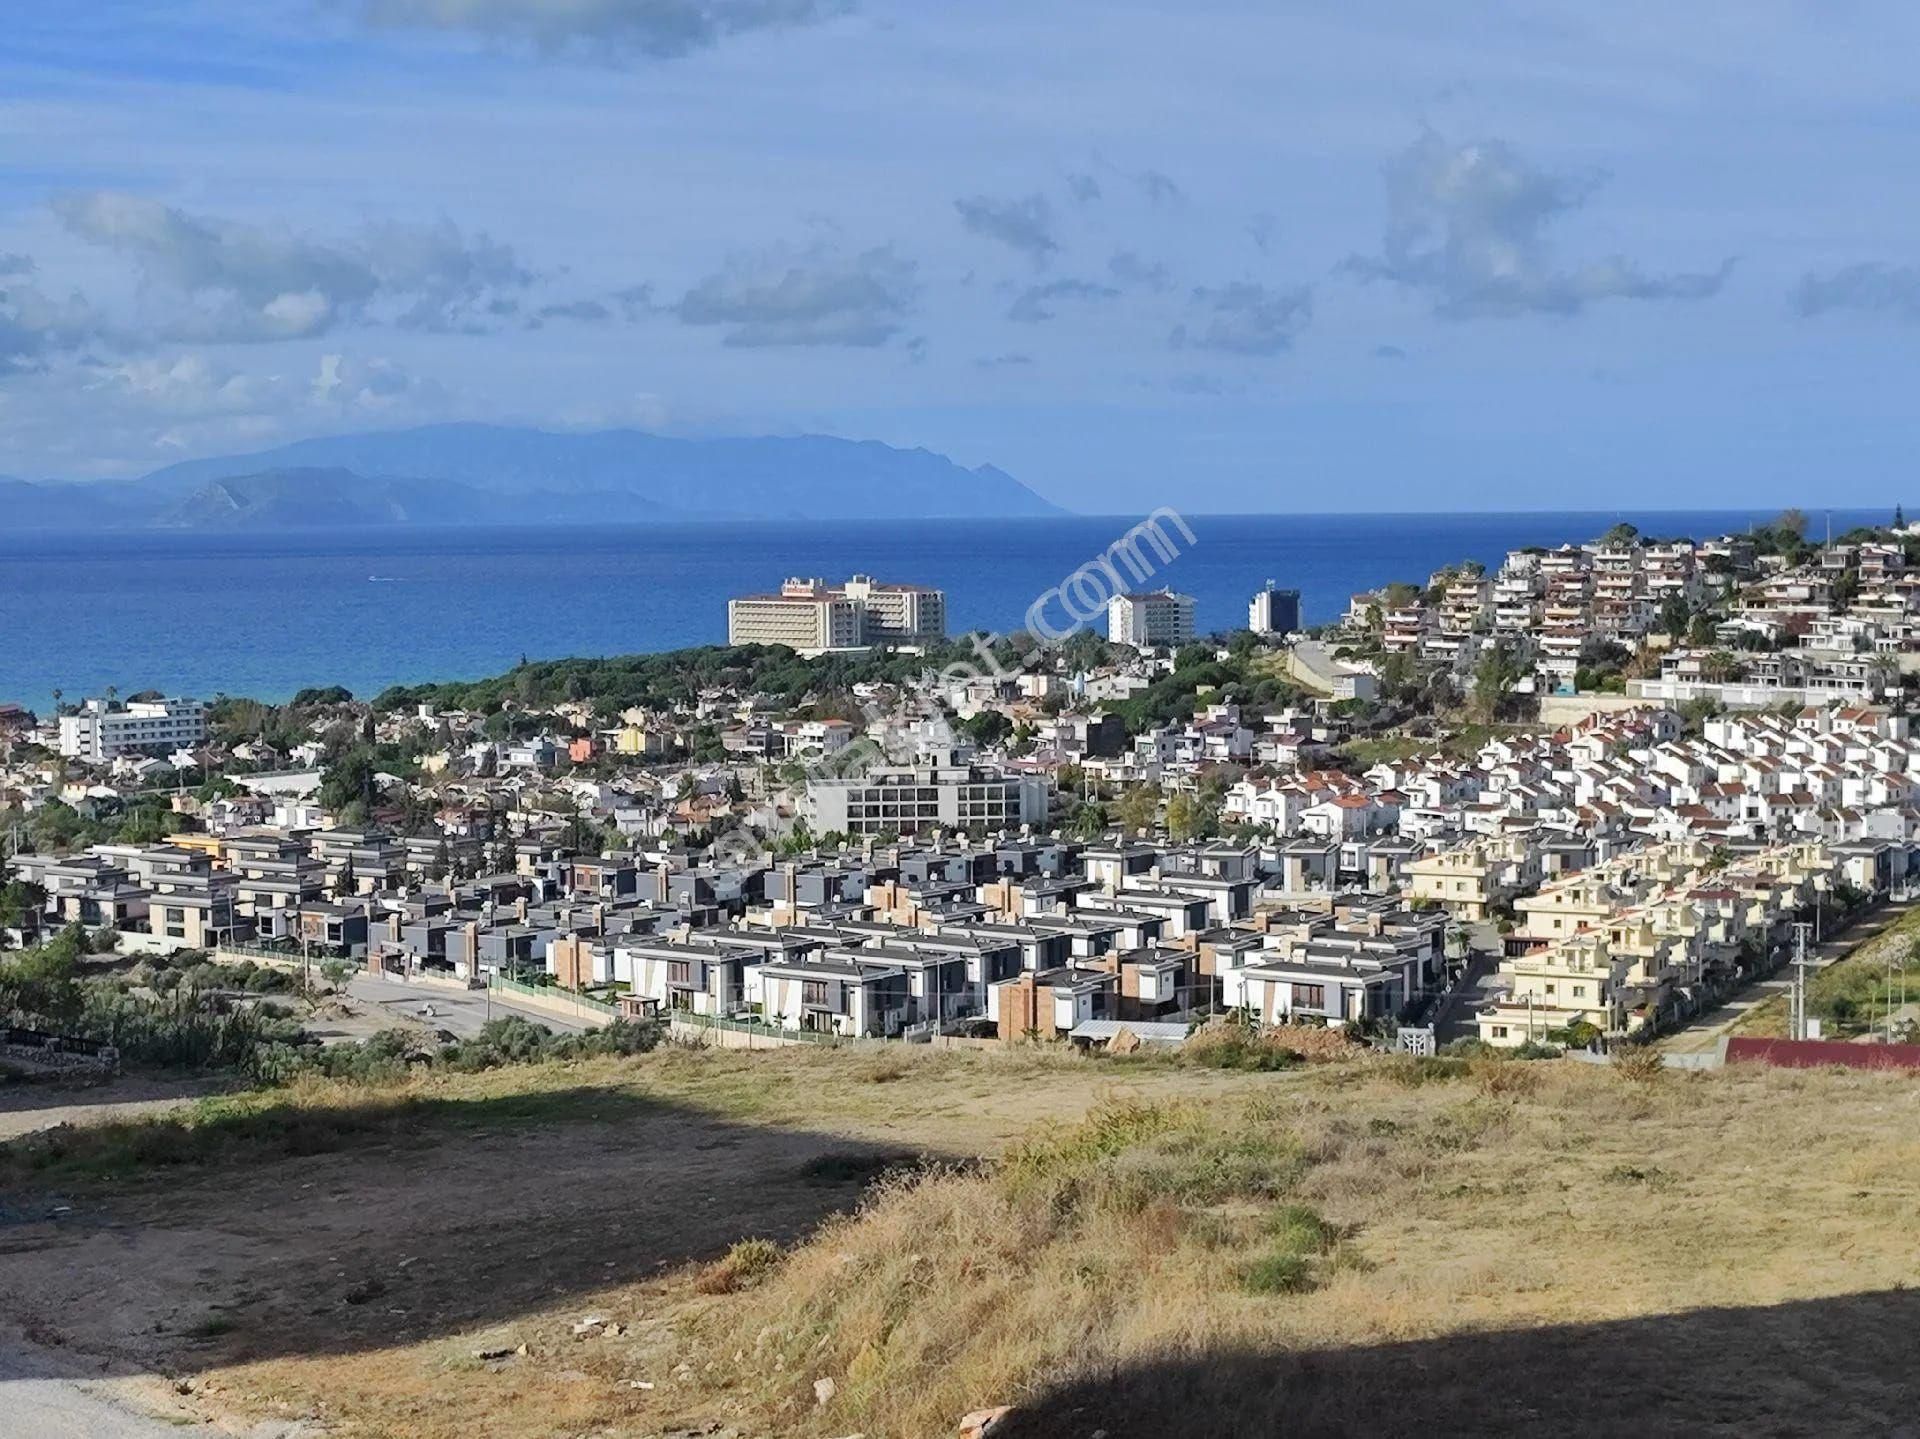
x=266 y=615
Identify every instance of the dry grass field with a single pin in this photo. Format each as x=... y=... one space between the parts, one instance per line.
x=1123 y=1247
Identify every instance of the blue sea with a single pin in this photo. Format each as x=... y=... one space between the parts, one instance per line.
x=266 y=615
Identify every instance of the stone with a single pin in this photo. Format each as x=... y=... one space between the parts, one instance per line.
x=824 y=1390
x=984 y=1423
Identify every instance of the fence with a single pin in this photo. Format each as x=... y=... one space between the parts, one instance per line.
x=260 y=953
x=561 y=1001
x=58 y=1051
x=771 y=1035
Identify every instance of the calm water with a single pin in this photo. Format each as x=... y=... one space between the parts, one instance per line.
x=264 y=616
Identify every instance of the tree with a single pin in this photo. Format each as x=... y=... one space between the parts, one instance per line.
x=1792 y=522
x=1496 y=674
x=18 y=899
x=1138 y=808
x=1182 y=817
x=1188 y=817
x=348 y=779
x=1720 y=667
x=1674 y=615
x=1620 y=537
x=1089 y=821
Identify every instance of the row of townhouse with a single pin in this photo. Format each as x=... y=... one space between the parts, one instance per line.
x=1656 y=933
x=1830 y=616
x=1550 y=605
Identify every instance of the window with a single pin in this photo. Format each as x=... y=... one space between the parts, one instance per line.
x=813 y=991
x=1309 y=996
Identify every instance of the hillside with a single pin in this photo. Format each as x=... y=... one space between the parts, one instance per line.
x=487 y=474
x=1381 y=1247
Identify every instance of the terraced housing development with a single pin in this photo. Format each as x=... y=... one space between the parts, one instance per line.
x=1449 y=811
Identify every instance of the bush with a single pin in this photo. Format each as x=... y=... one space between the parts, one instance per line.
x=1638 y=1064
x=1428 y=1069
x=1300 y=1236
x=747 y=1262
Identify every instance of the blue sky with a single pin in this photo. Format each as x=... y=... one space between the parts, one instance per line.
x=1228 y=256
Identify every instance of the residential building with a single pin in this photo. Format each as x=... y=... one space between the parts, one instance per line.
x=1149 y=619
x=911 y=798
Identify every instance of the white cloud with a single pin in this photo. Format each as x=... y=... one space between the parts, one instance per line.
x=1245 y=318
x=227 y=281
x=811 y=297
x=1468 y=227
x=1025 y=224
x=1870 y=287
x=603 y=29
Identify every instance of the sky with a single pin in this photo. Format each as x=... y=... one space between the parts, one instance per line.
x=1273 y=256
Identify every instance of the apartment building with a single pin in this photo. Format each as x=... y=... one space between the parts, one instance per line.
x=1150 y=618
x=812 y=616
x=907 y=799
x=1274 y=611
x=103 y=729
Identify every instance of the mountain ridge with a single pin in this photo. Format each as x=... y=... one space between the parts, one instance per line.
x=475 y=473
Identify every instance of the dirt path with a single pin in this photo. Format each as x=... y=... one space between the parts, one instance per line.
x=27 y=1108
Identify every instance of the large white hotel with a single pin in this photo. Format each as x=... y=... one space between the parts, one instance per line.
x=811 y=616
x=101 y=729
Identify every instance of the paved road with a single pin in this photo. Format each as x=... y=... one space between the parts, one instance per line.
x=1705 y=1031
x=459 y=1012
x=40 y=1399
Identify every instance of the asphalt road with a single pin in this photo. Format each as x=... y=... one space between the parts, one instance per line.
x=1705 y=1031
x=459 y=1012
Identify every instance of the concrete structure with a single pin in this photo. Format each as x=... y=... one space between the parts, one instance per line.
x=811 y=616
x=102 y=729
x=1156 y=617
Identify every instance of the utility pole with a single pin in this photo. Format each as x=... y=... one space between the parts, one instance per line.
x=1797 y=996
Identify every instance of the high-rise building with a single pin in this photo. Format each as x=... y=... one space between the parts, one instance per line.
x=810 y=615
x=105 y=729
x=1156 y=617
x=1274 y=611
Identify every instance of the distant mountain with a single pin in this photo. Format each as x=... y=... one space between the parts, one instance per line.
x=493 y=474
x=310 y=499
x=97 y=504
